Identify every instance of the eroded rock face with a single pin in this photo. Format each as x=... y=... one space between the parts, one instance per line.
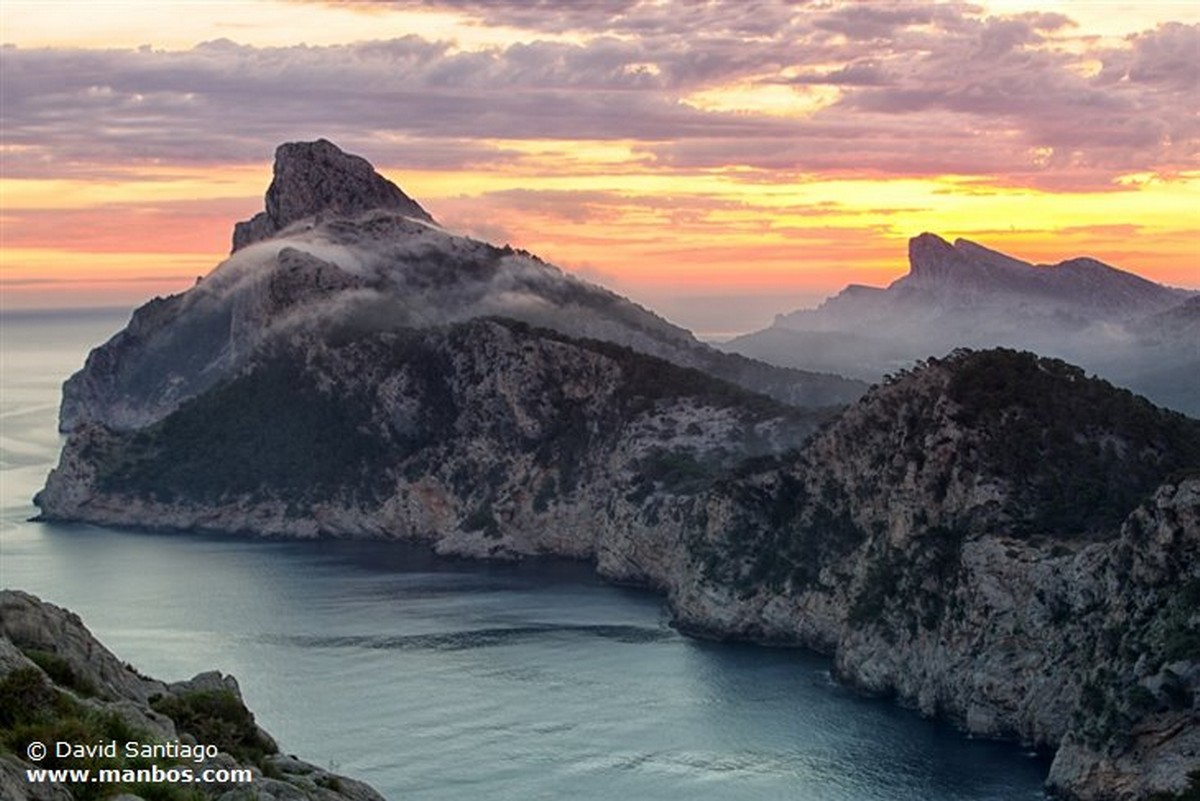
x=960 y=538
x=54 y=670
x=487 y=437
x=915 y=539
x=318 y=178
x=339 y=242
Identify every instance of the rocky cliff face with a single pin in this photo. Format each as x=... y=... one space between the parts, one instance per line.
x=994 y=537
x=967 y=537
x=313 y=178
x=956 y=544
x=962 y=294
x=339 y=241
x=57 y=682
x=487 y=437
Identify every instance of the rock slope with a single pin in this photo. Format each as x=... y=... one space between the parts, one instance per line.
x=337 y=241
x=57 y=682
x=994 y=539
x=993 y=536
x=486 y=437
x=1115 y=323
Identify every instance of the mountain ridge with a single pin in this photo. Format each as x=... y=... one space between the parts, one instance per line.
x=346 y=257
x=966 y=295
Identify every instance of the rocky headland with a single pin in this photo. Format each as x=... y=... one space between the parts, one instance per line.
x=58 y=683
x=992 y=536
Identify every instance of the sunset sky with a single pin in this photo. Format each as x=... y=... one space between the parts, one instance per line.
x=717 y=161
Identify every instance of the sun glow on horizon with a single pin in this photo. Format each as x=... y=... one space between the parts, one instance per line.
x=698 y=189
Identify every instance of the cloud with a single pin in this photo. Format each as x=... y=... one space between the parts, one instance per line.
x=179 y=226
x=911 y=89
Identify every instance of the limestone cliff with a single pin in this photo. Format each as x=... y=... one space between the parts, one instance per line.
x=338 y=241
x=57 y=682
x=972 y=539
x=312 y=178
x=994 y=537
x=485 y=437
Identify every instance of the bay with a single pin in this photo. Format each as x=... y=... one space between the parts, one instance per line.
x=448 y=679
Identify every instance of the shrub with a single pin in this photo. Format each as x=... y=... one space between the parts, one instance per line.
x=217 y=717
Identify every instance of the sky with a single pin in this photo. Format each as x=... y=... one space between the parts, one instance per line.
x=720 y=162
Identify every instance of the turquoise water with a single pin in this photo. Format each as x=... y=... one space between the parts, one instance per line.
x=440 y=679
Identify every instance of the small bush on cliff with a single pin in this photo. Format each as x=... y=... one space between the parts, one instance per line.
x=60 y=671
x=220 y=718
x=1192 y=793
x=33 y=709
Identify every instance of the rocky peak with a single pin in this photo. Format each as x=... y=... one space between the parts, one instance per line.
x=986 y=256
x=932 y=259
x=311 y=178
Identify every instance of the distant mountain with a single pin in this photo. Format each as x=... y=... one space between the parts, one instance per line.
x=337 y=241
x=1132 y=331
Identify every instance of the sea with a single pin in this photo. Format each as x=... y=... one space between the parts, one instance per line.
x=435 y=679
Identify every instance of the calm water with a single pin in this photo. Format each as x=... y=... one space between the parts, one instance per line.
x=436 y=679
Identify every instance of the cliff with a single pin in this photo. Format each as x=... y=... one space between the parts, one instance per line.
x=993 y=537
x=58 y=683
x=344 y=243
x=487 y=437
x=987 y=539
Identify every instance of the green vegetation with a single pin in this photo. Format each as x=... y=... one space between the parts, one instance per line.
x=677 y=471
x=217 y=717
x=647 y=378
x=482 y=519
x=911 y=587
x=780 y=539
x=1079 y=453
x=272 y=432
x=60 y=671
x=330 y=782
x=879 y=585
x=1191 y=793
x=32 y=709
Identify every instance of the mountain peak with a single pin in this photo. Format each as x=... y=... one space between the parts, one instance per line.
x=315 y=177
x=931 y=258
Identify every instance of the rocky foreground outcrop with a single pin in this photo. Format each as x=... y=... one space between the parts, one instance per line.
x=58 y=683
